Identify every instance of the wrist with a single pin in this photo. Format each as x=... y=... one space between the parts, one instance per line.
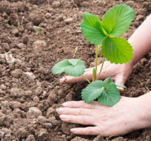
x=144 y=107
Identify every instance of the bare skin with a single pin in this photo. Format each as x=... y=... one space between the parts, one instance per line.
x=119 y=73
x=104 y=120
x=129 y=113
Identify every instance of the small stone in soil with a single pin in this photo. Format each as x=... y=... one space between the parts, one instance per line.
x=79 y=139
x=52 y=120
x=41 y=119
x=30 y=138
x=36 y=99
x=33 y=112
x=5 y=46
x=21 y=45
x=42 y=136
x=56 y=4
x=99 y=138
x=3 y=87
x=15 y=32
x=22 y=132
x=139 y=17
x=35 y=17
x=50 y=111
x=68 y=21
x=48 y=15
x=2 y=118
x=52 y=97
x=25 y=39
x=16 y=73
x=30 y=75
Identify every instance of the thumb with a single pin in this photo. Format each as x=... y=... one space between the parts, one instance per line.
x=120 y=80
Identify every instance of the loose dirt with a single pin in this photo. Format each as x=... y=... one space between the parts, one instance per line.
x=36 y=34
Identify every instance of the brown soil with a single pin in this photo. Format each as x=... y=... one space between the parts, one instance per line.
x=29 y=93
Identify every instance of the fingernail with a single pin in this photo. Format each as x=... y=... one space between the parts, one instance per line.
x=65 y=104
x=73 y=130
x=120 y=89
x=57 y=110
x=63 y=117
x=62 y=79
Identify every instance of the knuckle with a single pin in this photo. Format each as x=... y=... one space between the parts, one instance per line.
x=83 y=120
x=104 y=72
x=83 y=104
x=81 y=112
x=89 y=132
x=70 y=120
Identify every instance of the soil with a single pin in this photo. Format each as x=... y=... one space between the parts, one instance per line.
x=34 y=35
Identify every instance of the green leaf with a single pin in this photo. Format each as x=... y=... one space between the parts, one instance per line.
x=76 y=68
x=92 y=29
x=92 y=91
x=110 y=95
x=116 y=50
x=73 y=67
x=74 y=61
x=121 y=86
x=117 y=19
x=60 y=67
x=107 y=82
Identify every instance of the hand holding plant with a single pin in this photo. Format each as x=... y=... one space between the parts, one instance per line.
x=104 y=34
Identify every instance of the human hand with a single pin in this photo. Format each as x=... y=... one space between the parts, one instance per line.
x=119 y=73
x=120 y=119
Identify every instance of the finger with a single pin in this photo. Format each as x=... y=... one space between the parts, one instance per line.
x=120 y=80
x=86 y=131
x=74 y=111
x=88 y=69
x=102 y=75
x=84 y=120
x=79 y=104
x=71 y=79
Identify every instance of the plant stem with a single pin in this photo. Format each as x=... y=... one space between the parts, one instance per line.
x=101 y=69
x=96 y=59
x=93 y=73
x=86 y=79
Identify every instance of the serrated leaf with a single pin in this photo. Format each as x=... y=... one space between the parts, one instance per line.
x=72 y=67
x=117 y=19
x=60 y=67
x=92 y=91
x=92 y=29
x=110 y=95
x=107 y=82
x=73 y=61
x=77 y=68
x=116 y=50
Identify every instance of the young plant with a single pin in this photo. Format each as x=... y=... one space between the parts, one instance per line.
x=105 y=35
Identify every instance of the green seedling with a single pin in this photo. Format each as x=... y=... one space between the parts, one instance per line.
x=75 y=51
x=105 y=35
x=40 y=30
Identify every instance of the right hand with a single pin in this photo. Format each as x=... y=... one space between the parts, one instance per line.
x=118 y=72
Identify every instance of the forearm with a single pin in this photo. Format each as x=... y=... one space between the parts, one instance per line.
x=144 y=106
x=141 y=41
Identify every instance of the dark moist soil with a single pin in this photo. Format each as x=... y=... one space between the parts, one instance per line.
x=29 y=93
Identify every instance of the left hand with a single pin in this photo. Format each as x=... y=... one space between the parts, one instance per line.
x=122 y=118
